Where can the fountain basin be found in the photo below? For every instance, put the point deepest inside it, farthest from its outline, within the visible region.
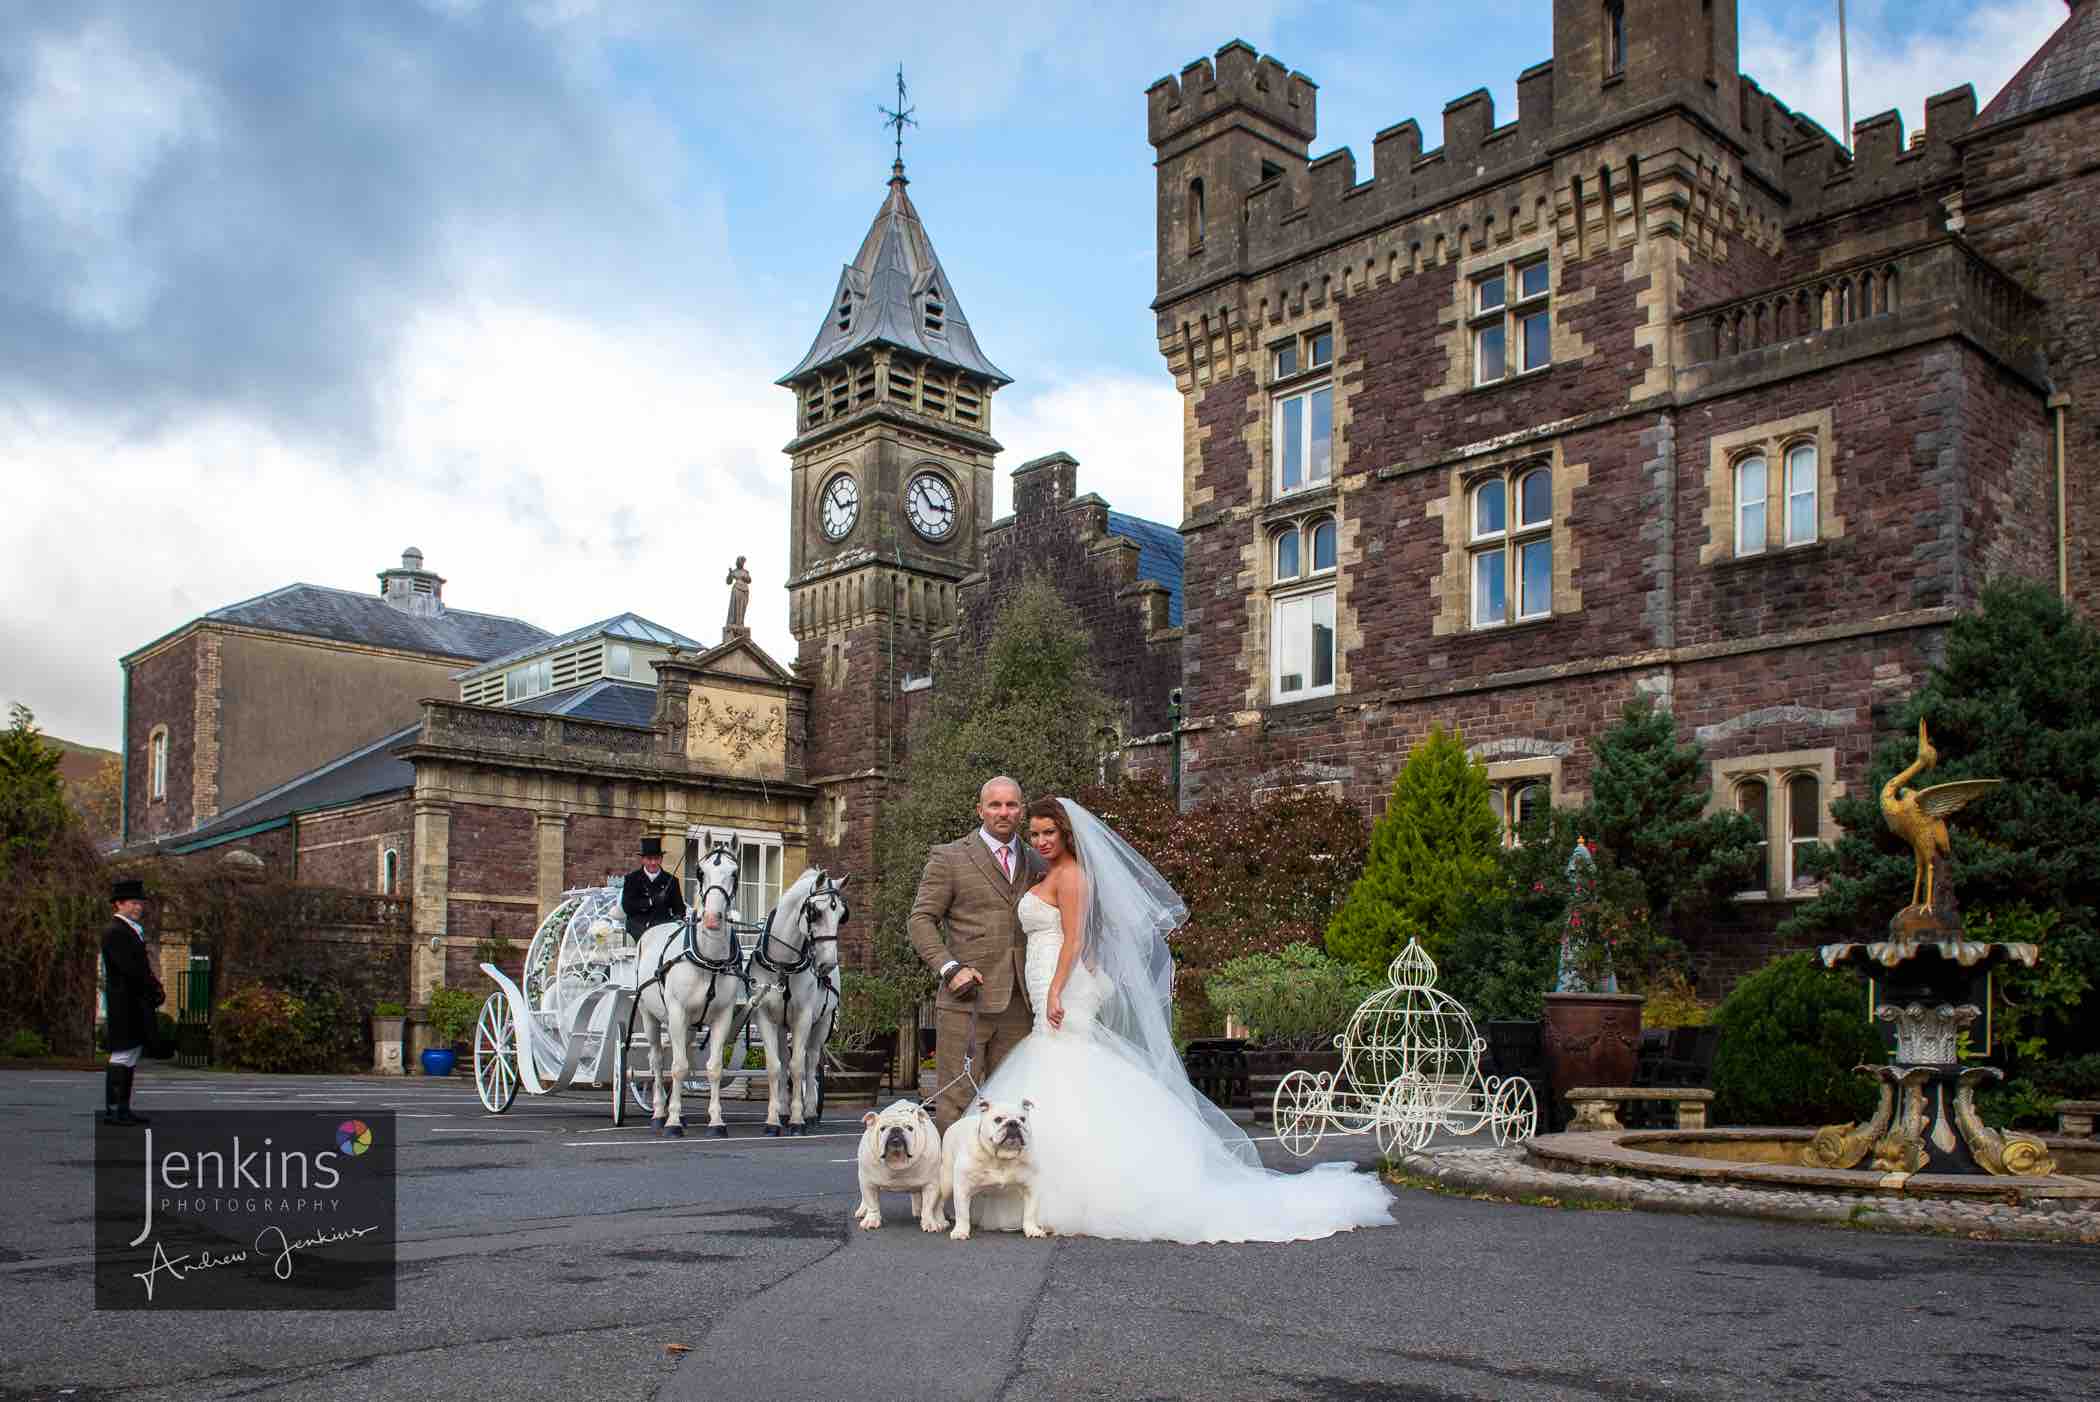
(1771, 1158)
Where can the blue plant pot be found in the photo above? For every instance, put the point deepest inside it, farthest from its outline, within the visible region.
(437, 1061)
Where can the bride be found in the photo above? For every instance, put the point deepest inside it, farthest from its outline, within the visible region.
(1124, 1145)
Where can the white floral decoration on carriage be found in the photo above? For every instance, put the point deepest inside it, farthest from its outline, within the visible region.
(1410, 1067)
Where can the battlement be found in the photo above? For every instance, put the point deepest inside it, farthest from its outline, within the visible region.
(1238, 79)
(1824, 181)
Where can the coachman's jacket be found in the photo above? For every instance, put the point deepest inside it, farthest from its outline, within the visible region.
(648, 900)
(131, 990)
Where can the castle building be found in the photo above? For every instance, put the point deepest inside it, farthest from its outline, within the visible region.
(1655, 388)
(893, 548)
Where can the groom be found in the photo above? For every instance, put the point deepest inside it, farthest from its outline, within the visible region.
(964, 926)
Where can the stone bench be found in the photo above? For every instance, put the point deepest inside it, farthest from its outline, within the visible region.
(2074, 1118)
(1596, 1107)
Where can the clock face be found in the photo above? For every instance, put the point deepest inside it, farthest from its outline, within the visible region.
(930, 503)
(839, 507)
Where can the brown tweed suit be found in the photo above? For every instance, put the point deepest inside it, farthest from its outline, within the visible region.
(965, 911)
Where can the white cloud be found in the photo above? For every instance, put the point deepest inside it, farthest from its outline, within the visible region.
(1895, 64)
(550, 469)
(1125, 431)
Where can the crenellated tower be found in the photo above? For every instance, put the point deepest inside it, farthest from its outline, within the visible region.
(891, 492)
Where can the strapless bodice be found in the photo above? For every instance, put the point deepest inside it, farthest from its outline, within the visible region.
(1043, 925)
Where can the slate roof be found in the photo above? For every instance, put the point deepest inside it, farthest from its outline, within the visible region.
(316, 611)
(364, 772)
(630, 626)
(621, 702)
(884, 294)
(2066, 66)
(1159, 556)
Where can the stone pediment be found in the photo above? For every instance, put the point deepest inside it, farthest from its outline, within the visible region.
(740, 658)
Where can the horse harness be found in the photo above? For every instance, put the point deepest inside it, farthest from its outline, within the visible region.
(804, 958)
(688, 950)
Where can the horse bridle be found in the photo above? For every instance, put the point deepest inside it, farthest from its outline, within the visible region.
(807, 954)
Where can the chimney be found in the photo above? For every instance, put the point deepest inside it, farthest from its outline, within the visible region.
(413, 589)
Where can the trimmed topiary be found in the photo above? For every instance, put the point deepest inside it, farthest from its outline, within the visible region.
(1791, 1035)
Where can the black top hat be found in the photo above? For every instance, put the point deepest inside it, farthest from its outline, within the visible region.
(130, 888)
(652, 847)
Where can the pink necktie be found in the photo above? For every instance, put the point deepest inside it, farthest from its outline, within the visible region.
(1006, 862)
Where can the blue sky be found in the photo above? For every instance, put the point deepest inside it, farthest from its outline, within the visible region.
(284, 289)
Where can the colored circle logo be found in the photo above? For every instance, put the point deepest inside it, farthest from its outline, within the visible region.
(353, 1136)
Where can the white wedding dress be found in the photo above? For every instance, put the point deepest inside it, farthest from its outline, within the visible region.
(1121, 1153)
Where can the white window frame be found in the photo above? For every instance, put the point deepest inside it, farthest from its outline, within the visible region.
(1509, 544)
(1794, 454)
(1509, 317)
(1309, 356)
(157, 765)
(1757, 508)
(1310, 601)
(754, 898)
(390, 880)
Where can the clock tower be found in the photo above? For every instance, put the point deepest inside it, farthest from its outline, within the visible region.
(891, 489)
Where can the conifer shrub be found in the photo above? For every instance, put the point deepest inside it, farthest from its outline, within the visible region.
(2016, 698)
(1791, 1035)
(1431, 856)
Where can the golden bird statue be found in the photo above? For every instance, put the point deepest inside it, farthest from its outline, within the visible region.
(1918, 816)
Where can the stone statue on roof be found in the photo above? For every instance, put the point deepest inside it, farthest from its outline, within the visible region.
(739, 582)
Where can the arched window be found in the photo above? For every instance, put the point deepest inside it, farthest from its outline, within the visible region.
(1614, 38)
(1287, 565)
(1801, 494)
(1503, 549)
(157, 764)
(389, 872)
(1750, 505)
(1196, 215)
(1752, 800)
(1322, 546)
(1804, 818)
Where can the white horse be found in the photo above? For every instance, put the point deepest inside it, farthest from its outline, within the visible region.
(795, 993)
(689, 974)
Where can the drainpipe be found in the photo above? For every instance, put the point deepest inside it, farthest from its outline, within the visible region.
(124, 762)
(1174, 727)
(2059, 403)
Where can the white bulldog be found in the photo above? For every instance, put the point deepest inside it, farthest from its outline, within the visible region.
(987, 1152)
(900, 1152)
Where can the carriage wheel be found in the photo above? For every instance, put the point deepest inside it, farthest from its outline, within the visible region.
(1405, 1116)
(495, 1053)
(640, 1090)
(1300, 1111)
(619, 1081)
(1515, 1111)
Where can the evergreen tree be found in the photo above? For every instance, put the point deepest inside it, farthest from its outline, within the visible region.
(1647, 809)
(2016, 698)
(1028, 706)
(1431, 854)
(51, 896)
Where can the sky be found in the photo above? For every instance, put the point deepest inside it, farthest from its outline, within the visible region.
(285, 289)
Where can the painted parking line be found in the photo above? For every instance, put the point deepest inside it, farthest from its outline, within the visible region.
(699, 1142)
(492, 1129)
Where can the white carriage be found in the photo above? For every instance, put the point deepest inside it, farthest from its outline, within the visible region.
(569, 1023)
(1410, 1067)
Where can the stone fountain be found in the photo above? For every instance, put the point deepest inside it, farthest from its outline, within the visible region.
(1931, 983)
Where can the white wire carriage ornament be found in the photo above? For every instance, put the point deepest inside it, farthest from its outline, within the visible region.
(1410, 1067)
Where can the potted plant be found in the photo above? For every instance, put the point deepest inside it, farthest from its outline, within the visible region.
(388, 1022)
(1593, 1031)
(872, 1007)
(452, 1013)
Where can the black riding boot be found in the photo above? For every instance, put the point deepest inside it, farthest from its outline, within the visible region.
(124, 1115)
(112, 1093)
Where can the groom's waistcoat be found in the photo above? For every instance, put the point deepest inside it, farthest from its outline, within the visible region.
(965, 910)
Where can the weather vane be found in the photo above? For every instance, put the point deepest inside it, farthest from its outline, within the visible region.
(899, 117)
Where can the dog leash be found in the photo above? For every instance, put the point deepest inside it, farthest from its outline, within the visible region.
(969, 1060)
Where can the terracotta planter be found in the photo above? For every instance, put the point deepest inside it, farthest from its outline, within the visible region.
(1591, 1039)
